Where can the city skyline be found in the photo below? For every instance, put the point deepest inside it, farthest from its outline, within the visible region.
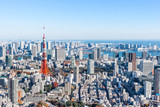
(80, 20)
(80, 53)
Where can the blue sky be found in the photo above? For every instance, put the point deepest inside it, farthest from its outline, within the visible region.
(80, 19)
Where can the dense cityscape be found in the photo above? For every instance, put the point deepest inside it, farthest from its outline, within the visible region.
(79, 53)
(74, 73)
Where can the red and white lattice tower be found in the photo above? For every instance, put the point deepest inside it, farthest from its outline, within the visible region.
(44, 68)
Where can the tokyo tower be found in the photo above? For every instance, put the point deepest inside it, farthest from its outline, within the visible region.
(44, 68)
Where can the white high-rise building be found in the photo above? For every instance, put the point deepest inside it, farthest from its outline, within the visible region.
(71, 52)
(29, 46)
(146, 67)
(105, 57)
(80, 54)
(2, 53)
(60, 54)
(16, 46)
(90, 66)
(48, 45)
(67, 47)
(95, 55)
(129, 66)
(73, 62)
(22, 44)
(36, 77)
(147, 89)
(116, 69)
(39, 47)
(13, 46)
(67, 88)
(11, 52)
(34, 50)
(53, 51)
(76, 74)
(155, 47)
(72, 44)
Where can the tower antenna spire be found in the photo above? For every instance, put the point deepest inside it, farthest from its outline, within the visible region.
(43, 32)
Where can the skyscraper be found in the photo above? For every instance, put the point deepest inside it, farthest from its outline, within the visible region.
(29, 46)
(48, 45)
(158, 60)
(11, 51)
(98, 53)
(126, 56)
(67, 46)
(67, 88)
(116, 69)
(2, 53)
(127, 46)
(80, 54)
(34, 50)
(129, 66)
(60, 54)
(8, 60)
(16, 46)
(13, 90)
(73, 62)
(144, 54)
(90, 66)
(116, 54)
(22, 45)
(71, 52)
(147, 89)
(38, 47)
(91, 56)
(76, 74)
(41, 46)
(49, 54)
(157, 80)
(105, 57)
(132, 58)
(122, 46)
(95, 55)
(146, 67)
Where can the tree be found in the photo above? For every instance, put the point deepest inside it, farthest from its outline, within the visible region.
(49, 87)
(53, 102)
(69, 103)
(38, 105)
(72, 88)
(95, 105)
(61, 105)
(75, 104)
(40, 91)
(80, 104)
(42, 104)
(26, 90)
